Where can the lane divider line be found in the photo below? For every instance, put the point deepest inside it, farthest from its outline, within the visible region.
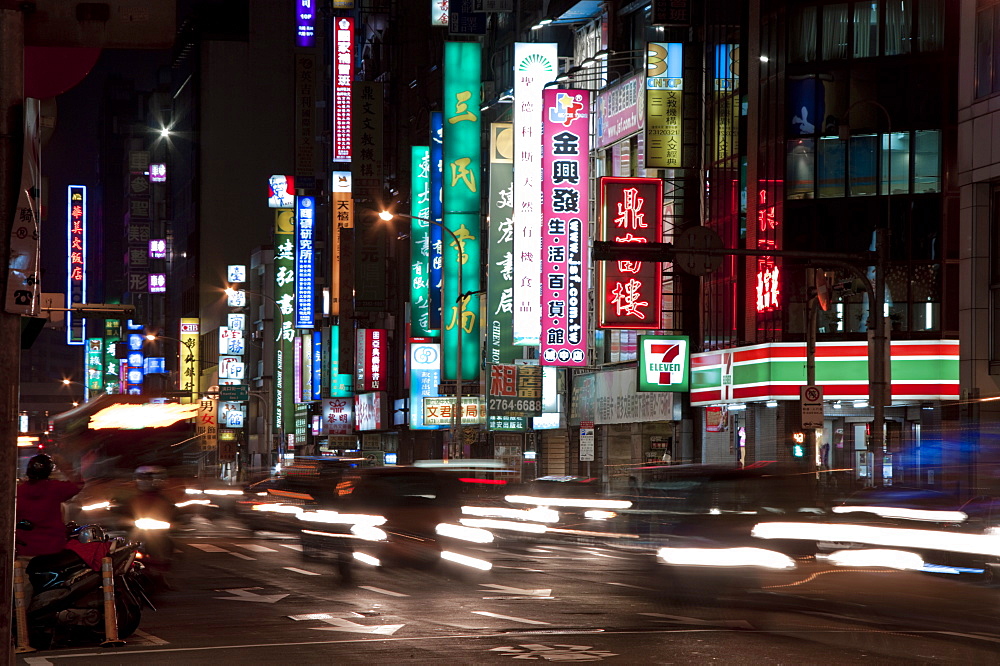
(508, 617)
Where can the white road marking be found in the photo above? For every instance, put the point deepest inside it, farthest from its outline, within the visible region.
(242, 556)
(340, 624)
(209, 548)
(637, 587)
(613, 557)
(255, 548)
(149, 639)
(508, 617)
(547, 592)
(302, 571)
(293, 546)
(245, 594)
(381, 591)
(697, 621)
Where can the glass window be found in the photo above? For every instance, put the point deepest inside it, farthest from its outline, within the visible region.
(895, 163)
(898, 26)
(930, 26)
(993, 77)
(801, 167)
(832, 167)
(866, 29)
(835, 32)
(984, 51)
(803, 24)
(863, 149)
(926, 161)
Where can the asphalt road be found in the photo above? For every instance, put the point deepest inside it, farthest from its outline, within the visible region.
(251, 598)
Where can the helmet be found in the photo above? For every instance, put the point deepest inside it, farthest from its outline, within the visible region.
(89, 533)
(40, 467)
(150, 477)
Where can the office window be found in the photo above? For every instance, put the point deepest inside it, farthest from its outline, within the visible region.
(835, 32)
(802, 28)
(832, 167)
(930, 25)
(898, 26)
(926, 161)
(866, 29)
(895, 163)
(863, 149)
(801, 165)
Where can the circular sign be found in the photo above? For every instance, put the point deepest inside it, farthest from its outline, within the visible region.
(812, 394)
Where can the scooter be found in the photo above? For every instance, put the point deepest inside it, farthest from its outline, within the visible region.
(67, 598)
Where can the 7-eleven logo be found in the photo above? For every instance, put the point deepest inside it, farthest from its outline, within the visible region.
(661, 362)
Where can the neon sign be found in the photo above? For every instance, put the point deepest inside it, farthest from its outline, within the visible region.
(565, 176)
(631, 211)
(342, 77)
(768, 272)
(76, 288)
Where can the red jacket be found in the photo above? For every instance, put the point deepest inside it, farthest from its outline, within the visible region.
(40, 502)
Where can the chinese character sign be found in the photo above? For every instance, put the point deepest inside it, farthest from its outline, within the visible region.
(437, 212)
(462, 192)
(76, 261)
(305, 210)
(425, 375)
(565, 177)
(500, 266)
(534, 66)
(343, 74)
(629, 292)
(664, 95)
(373, 359)
(420, 242)
(190, 357)
(338, 416)
(284, 297)
(305, 23)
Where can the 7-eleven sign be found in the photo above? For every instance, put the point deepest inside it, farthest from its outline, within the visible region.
(664, 363)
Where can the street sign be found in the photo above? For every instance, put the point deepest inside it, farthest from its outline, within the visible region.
(234, 393)
(811, 400)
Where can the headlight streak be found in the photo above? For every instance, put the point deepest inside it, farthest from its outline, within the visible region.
(464, 532)
(538, 514)
(367, 559)
(95, 507)
(192, 491)
(599, 514)
(569, 501)
(465, 560)
(490, 523)
(957, 542)
(369, 532)
(277, 508)
(337, 518)
(181, 505)
(223, 492)
(907, 514)
(151, 524)
(726, 557)
(875, 557)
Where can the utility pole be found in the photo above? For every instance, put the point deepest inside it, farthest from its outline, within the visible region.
(11, 136)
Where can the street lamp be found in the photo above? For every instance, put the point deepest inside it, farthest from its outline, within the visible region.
(879, 352)
(86, 390)
(456, 430)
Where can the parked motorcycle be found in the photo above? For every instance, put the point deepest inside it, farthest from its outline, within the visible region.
(67, 598)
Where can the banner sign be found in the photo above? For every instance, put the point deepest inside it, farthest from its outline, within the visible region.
(565, 177)
(338, 416)
(305, 210)
(420, 242)
(664, 363)
(76, 261)
(425, 375)
(437, 212)
(514, 394)
(343, 76)
(629, 292)
(440, 411)
(500, 283)
(23, 281)
(534, 66)
(372, 362)
(284, 296)
(664, 110)
(367, 119)
(461, 191)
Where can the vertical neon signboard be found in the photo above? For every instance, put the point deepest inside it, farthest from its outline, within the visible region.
(425, 375)
(343, 74)
(664, 110)
(565, 178)
(284, 296)
(305, 210)
(420, 242)
(629, 292)
(768, 271)
(500, 284)
(534, 66)
(436, 232)
(373, 359)
(76, 266)
(190, 357)
(461, 189)
(317, 365)
(305, 23)
(95, 364)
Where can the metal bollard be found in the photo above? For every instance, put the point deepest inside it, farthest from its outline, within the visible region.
(110, 612)
(21, 609)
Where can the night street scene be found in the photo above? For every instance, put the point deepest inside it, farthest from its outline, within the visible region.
(495, 331)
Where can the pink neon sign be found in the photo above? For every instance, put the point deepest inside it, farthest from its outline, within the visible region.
(343, 74)
(565, 175)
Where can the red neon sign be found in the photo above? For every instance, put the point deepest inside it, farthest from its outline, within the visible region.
(768, 272)
(631, 211)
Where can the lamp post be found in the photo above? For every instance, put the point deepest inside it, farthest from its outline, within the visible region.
(86, 390)
(181, 345)
(879, 352)
(456, 431)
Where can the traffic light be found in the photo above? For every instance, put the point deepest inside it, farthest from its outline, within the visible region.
(798, 444)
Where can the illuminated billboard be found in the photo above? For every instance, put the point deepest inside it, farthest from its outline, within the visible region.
(305, 225)
(461, 192)
(76, 266)
(664, 108)
(565, 178)
(343, 75)
(420, 242)
(425, 375)
(500, 275)
(664, 363)
(372, 359)
(534, 66)
(629, 292)
(190, 357)
(305, 23)
(281, 191)
(284, 296)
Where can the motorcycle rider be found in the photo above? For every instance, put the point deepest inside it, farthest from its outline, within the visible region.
(41, 529)
(151, 502)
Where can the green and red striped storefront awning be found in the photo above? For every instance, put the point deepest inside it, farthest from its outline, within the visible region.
(920, 370)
